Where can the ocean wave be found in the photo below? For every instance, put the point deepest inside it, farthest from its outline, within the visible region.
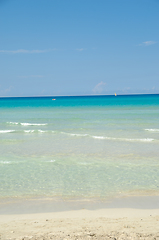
(14, 123)
(23, 131)
(29, 131)
(125, 139)
(110, 138)
(51, 161)
(41, 131)
(7, 131)
(35, 131)
(78, 135)
(81, 135)
(27, 124)
(75, 134)
(101, 137)
(152, 130)
(33, 124)
(5, 162)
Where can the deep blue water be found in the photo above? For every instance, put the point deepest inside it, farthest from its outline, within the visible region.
(108, 101)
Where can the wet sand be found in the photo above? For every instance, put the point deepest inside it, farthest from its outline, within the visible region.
(129, 218)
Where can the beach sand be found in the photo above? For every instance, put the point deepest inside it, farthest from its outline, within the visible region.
(100, 223)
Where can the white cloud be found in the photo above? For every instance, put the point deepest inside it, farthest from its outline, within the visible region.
(147, 43)
(26, 51)
(99, 87)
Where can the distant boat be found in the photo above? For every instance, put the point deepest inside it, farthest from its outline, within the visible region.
(53, 99)
(115, 94)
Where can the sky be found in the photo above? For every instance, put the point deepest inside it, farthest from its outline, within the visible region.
(78, 47)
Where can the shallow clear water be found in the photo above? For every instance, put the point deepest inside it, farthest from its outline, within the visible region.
(89, 147)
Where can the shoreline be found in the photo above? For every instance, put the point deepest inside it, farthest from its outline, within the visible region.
(46, 205)
(122, 218)
(112, 223)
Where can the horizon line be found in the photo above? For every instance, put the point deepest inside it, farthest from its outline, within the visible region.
(84, 95)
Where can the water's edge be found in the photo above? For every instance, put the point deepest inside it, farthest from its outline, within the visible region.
(32, 206)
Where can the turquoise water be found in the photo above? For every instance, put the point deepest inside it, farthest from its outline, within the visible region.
(79, 147)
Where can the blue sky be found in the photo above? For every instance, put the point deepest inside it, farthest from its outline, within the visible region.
(76, 47)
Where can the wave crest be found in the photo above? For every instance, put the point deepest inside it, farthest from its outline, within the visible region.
(27, 124)
(28, 131)
(33, 124)
(152, 130)
(125, 139)
(7, 131)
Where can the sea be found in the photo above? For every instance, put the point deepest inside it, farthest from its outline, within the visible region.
(79, 147)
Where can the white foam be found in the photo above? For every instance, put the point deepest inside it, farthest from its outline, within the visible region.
(5, 162)
(125, 139)
(27, 124)
(52, 160)
(138, 140)
(100, 137)
(6, 131)
(14, 123)
(75, 134)
(33, 124)
(152, 130)
(28, 131)
(111, 138)
(41, 131)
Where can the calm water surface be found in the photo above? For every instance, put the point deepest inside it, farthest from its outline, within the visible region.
(87, 147)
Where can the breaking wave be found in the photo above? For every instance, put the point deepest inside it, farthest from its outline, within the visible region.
(14, 123)
(5, 162)
(111, 138)
(75, 134)
(80, 135)
(152, 130)
(7, 131)
(125, 139)
(28, 131)
(33, 124)
(27, 124)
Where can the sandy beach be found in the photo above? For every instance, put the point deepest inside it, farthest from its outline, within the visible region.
(104, 223)
(82, 224)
